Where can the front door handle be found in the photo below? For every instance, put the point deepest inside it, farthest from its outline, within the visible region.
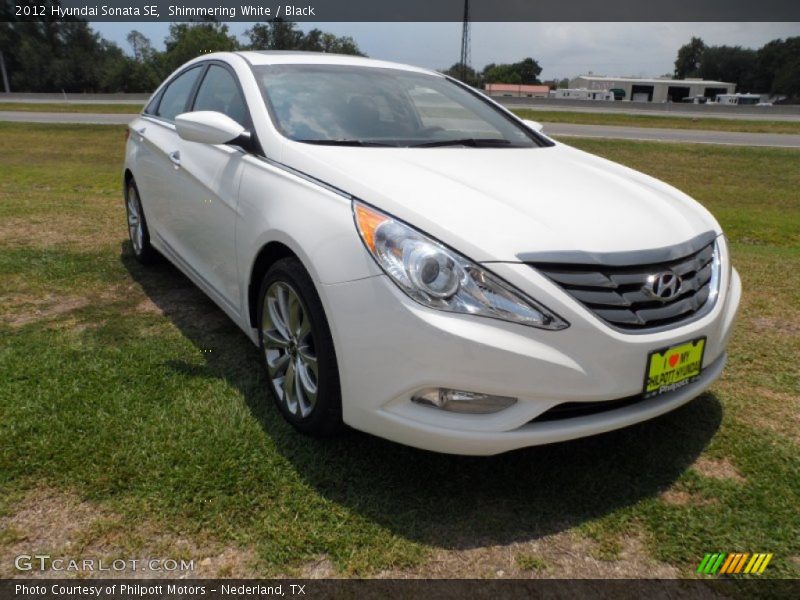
(175, 157)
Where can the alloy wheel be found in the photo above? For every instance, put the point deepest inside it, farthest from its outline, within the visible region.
(135, 228)
(289, 349)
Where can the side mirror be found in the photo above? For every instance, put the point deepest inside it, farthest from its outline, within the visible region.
(209, 127)
(535, 125)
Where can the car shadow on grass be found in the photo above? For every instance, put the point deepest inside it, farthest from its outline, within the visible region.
(453, 502)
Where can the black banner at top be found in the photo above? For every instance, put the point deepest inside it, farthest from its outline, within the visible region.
(406, 10)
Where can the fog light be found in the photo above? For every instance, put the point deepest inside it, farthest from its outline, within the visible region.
(461, 401)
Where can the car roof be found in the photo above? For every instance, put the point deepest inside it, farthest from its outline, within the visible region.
(286, 57)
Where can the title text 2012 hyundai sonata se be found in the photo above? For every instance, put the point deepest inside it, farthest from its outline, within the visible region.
(420, 264)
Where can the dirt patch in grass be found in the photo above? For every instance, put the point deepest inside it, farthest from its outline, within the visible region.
(715, 468)
(321, 568)
(231, 562)
(61, 525)
(781, 325)
(564, 555)
(783, 417)
(21, 311)
(765, 408)
(678, 497)
(96, 227)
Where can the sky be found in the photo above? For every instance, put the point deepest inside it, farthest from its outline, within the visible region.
(562, 49)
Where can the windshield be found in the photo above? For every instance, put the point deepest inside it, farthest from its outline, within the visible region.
(344, 105)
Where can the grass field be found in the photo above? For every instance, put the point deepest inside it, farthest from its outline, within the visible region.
(134, 421)
(544, 116)
(660, 121)
(72, 107)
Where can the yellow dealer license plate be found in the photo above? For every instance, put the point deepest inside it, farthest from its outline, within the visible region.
(674, 367)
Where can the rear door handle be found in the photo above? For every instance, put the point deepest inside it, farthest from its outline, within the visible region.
(175, 157)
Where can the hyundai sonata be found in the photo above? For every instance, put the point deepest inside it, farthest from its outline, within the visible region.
(417, 262)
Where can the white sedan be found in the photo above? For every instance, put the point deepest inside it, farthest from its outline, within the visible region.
(417, 262)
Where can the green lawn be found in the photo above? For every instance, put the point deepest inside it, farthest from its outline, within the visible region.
(72, 107)
(134, 419)
(660, 121)
(544, 116)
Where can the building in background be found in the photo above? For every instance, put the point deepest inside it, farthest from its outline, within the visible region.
(515, 90)
(654, 90)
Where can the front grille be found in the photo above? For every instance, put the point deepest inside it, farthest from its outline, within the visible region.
(617, 294)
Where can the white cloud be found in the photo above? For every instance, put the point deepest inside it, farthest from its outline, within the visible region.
(646, 49)
(563, 49)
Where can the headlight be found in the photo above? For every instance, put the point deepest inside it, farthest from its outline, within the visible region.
(437, 277)
(715, 283)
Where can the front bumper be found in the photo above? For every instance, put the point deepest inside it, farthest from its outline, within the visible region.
(389, 347)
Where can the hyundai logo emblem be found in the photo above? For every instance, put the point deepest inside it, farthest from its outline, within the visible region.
(663, 286)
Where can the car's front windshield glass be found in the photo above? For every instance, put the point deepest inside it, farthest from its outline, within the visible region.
(345, 105)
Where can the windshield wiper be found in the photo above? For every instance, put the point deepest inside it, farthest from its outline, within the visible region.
(345, 143)
(473, 142)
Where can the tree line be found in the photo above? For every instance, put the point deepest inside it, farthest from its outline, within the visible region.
(53, 56)
(69, 56)
(524, 72)
(772, 69)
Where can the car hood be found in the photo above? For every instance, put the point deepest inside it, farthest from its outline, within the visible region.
(511, 204)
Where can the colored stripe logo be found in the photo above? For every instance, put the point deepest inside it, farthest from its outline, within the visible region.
(737, 563)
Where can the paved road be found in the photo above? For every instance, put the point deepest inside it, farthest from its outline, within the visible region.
(693, 136)
(554, 129)
(83, 118)
(34, 98)
(783, 112)
(738, 116)
(712, 111)
(137, 102)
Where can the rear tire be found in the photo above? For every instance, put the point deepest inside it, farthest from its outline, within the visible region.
(296, 343)
(137, 226)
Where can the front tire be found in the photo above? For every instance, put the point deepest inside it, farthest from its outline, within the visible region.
(137, 226)
(298, 351)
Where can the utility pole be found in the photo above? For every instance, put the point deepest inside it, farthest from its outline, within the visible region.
(465, 42)
(5, 75)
